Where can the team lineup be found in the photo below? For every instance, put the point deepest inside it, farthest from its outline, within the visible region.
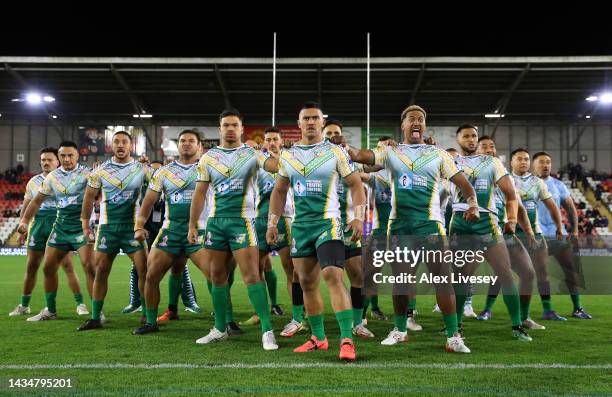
(233, 205)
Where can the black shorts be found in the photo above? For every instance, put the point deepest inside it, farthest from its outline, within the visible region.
(331, 253)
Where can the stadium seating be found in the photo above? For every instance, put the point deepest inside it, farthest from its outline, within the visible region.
(9, 225)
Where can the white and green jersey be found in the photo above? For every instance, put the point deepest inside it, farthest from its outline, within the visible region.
(483, 172)
(415, 174)
(232, 174)
(121, 187)
(314, 173)
(380, 188)
(265, 184)
(531, 189)
(49, 206)
(68, 190)
(177, 182)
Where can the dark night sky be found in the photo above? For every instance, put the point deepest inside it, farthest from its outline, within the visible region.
(201, 43)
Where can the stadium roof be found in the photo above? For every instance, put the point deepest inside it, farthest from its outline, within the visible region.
(521, 88)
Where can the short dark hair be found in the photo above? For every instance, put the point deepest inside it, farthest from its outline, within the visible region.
(515, 151)
(272, 129)
(384, 138)
(464, 127)
(197, 134)
(538, 154)
(68, 144)
(122, 133)
(311, 105)
(485, 137)
(230, 112)
(49, 149)
(329, 122)
(452, 149)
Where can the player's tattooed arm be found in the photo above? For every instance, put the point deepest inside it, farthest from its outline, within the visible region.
(572, 214)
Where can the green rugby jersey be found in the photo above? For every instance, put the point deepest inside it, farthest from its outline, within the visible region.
(415, 172)
(68, 190)
(265, 184)
(380, 188)
(121, 186)
(531, 189)
(232, 175)
(49, 206)
(483, 172)
(314, 172)
(178, 182)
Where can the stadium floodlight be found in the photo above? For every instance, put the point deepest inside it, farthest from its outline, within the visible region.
(591, 98)
(606, 97)
(587, 116)
(142, 116)
(48, 99)
(494, 115)
(33, 98)
(54, 116)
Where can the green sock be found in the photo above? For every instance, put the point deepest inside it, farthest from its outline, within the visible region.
(460, 299)
(399, 320)
(78, 298)
(297, 312)
(259, 300)
(366, 303)
(96, 308)
(174, 288)
(576, 301)
(511, 299)
(345, 320)
(374, 301)
(357, 316)
(546, 303)
(412, 304)
(272, 282)
(25, 300)
(50, 299)
(151, 314)
(219, 298)
(229, 310)
(209, 285)
(450, 321)
(525, 303)
(490, 302)
(316, 325)
(460, 296)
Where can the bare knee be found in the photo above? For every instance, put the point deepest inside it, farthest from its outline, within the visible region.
(332, 275)
(49, 270)
(32, 267)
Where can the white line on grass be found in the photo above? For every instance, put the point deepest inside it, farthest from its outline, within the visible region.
(306, 365)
